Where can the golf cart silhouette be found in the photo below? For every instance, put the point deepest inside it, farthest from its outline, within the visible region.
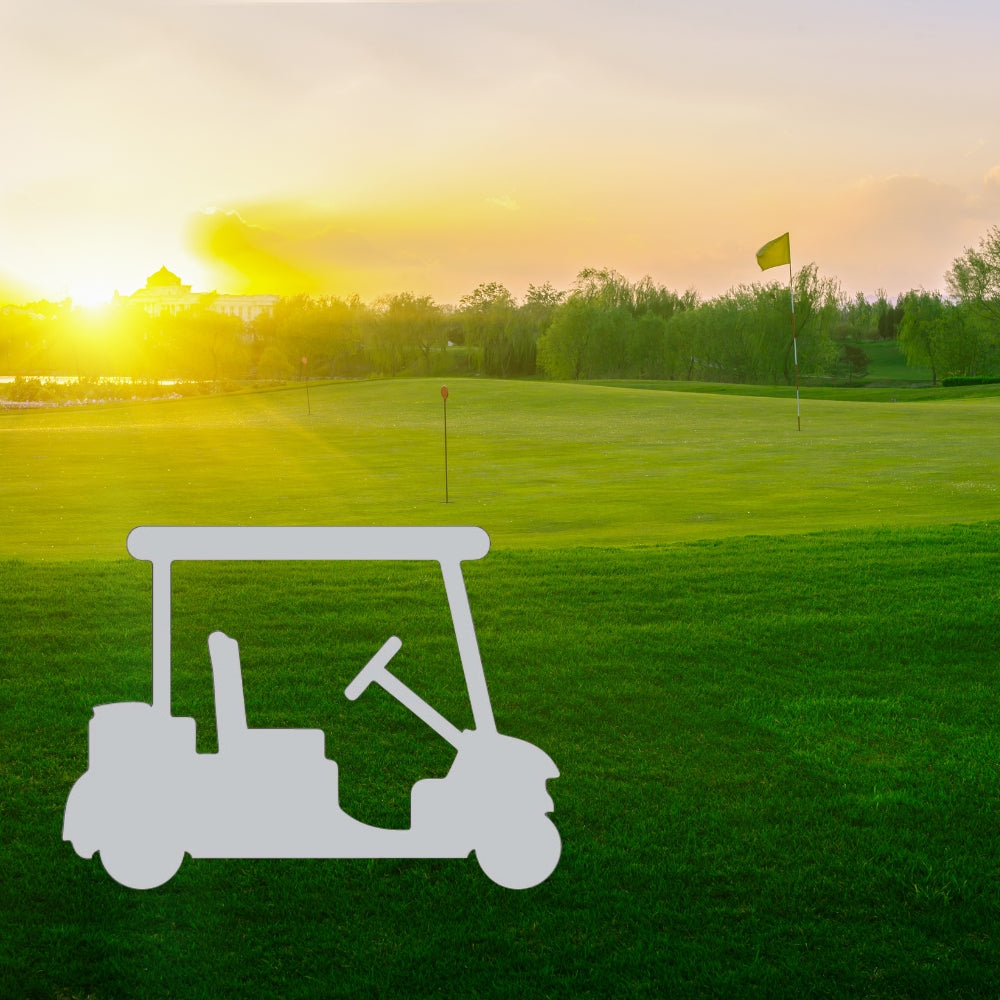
(148, 797)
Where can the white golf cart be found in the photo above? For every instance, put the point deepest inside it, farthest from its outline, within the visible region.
(148, 797)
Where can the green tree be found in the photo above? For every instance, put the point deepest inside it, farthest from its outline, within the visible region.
(745, 334)
(498, 344)
(856, 361)
(199, 343)
(923, 333)
(543, 299)
(816, 300)
(588, 334)
(725, 347)
(974, 277)
(888, 318)
(609, 327)
(864, 319)
(400, 328)
(564, 349)
(328, 331)
(857, 319)
(944, 335)
(682, 342)
(974, 281)
(26, 337)
(428, 331)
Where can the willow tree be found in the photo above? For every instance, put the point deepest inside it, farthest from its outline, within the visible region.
(609, 327)
(501, 334)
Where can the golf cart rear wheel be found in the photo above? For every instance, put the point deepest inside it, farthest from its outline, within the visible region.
(520, 859)
(141, 868)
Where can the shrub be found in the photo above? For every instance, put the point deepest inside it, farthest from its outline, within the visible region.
(954, 380)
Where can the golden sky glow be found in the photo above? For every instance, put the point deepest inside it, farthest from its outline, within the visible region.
(378, 147)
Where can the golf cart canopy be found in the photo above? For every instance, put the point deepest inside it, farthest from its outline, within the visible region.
(162, 543)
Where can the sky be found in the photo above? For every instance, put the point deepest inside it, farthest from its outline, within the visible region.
(379, 147)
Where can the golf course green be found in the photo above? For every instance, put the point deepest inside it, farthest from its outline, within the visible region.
(765, 661)
(538, 465)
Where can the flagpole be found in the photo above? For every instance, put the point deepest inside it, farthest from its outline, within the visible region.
(774, 253)
(795, 345)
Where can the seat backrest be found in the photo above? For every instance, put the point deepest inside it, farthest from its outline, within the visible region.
(230, 707)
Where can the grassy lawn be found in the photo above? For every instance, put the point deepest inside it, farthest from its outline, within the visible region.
(765, 662)
(779, 768)
(535, 464)
(889, 363)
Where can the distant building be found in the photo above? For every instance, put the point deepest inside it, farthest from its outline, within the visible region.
(164, 293)
(244, 307)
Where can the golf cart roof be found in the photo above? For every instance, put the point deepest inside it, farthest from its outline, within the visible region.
(163, 543)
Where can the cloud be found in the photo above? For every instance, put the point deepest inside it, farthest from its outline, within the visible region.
(291, 249)
(909, 206)
(897, 232)
(505, 202)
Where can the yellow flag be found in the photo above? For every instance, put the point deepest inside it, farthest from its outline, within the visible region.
(774, 253)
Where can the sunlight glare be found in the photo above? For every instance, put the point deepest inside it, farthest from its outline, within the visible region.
(90, 292)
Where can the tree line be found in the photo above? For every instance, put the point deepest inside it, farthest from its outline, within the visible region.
(603, 326)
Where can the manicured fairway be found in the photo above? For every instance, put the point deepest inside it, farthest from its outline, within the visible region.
(779, 776)
(536, 465)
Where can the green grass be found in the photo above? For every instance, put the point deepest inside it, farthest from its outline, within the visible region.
(888, 363)
(779, 768)
(766, 663)
(535, 464)
(889, 377)
(867, 393)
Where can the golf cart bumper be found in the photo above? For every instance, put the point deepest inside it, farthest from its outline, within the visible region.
(77, 829)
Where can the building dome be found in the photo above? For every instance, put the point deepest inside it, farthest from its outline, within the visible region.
(162, 279)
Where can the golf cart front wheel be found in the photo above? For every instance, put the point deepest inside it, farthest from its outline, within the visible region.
(139, 868)
(520, 859)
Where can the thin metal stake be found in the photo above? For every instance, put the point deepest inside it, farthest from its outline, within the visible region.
(444, 400)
